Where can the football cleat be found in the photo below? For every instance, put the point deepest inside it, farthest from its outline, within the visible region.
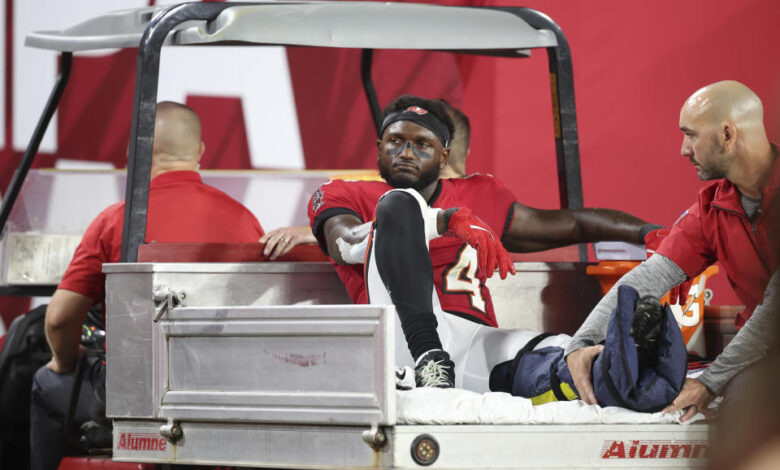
(646, 328)
(404, 378)
(435, 369)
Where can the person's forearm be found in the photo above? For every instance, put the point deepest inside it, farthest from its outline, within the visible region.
(749, 345)
(610, 225)
(64, 336)
(537, 230)
(653, 277)
(64, 317)
(350, 247)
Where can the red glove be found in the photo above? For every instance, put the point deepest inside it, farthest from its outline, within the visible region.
(678, 294)
(490, 252)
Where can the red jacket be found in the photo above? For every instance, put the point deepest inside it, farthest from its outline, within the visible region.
(716, 229)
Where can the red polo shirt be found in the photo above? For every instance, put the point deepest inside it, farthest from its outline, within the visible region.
(716, 228)
(181, 209)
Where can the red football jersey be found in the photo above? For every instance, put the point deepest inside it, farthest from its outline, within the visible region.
(459, 283)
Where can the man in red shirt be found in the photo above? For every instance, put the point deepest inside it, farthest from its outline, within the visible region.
(725, 140)
(478, 214)
(181, 209)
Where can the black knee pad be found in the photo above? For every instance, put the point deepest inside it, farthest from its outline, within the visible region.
(398, 207)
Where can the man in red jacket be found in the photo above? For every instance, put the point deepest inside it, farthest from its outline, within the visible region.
(725, 140)
(181, 209)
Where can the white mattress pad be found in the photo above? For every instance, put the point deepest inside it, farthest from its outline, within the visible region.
(427, 405)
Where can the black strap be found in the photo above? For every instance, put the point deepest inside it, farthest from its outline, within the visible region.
(529, 346)
(70, 435)
(605, 362)
(555, 383)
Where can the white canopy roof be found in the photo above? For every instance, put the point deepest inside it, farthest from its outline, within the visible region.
(365, 25)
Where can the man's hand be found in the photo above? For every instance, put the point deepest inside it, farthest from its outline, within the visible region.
(280, 241)
(693, 398)
(54, 366)
(491, 254)
(580, 363)
(59, 367)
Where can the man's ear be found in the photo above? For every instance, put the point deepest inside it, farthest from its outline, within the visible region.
(201, 151)
(729, 134)
(445, 155)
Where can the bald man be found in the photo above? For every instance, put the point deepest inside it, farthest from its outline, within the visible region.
(460, 145)
(181, 209)
(725, 140)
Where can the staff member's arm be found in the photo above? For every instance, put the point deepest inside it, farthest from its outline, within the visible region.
(64, 316)
(653, 277)
(750, 345)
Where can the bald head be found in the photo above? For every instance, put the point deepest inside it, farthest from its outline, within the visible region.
(726, 101)
(724, 136)
(177, 139)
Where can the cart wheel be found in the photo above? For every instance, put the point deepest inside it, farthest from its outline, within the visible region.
(425, 449)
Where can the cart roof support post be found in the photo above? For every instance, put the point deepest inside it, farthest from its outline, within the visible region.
(139, 164)
(567, 144)
(366, 60)
(66, 59)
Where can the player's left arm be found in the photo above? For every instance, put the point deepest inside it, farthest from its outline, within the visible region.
(539, 229)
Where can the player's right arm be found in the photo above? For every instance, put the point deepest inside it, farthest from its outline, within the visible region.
(340, 214)
(342, 233)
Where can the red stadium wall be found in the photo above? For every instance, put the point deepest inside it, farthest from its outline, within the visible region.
(634, 64)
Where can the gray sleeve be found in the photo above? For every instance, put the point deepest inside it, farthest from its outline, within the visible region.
(751, 342)
(653, 277)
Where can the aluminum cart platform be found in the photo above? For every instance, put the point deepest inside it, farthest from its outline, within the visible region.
(261, 364)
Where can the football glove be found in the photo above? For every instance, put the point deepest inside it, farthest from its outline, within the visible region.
(491, 254)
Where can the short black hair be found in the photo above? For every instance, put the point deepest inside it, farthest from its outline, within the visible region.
(434, 107)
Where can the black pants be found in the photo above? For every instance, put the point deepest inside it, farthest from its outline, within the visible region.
(51, 394)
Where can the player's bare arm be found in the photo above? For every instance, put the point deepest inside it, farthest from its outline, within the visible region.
(539, 229)
(341, 231)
